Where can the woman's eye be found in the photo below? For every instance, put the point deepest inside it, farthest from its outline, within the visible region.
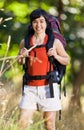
(42, 21)
(34, 22)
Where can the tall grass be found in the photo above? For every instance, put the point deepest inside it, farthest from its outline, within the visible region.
(69, 121)
(72, 118)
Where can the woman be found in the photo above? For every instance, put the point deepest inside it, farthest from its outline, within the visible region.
(37, 92)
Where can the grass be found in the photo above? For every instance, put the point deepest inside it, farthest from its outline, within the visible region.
(10, 95)
(70, 121)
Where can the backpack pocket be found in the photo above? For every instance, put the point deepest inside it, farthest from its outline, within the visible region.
(54, 77)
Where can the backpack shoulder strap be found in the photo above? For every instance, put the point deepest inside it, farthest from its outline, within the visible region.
(50, 39)
(30, 32)
(27, 42)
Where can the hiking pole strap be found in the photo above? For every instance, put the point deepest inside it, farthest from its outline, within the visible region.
(59, 114)
(60, 91)
(51, 90)
(51, 83)
(64, 87)
(23, 86)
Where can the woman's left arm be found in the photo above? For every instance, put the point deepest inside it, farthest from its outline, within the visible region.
(59, 53)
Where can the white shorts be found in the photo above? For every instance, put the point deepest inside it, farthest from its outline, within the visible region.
(35, 98)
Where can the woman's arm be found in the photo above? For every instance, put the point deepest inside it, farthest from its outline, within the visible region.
(59, 53)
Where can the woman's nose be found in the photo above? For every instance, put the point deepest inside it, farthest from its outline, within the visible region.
(38, 24)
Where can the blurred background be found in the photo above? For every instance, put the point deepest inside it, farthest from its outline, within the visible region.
(14, 20)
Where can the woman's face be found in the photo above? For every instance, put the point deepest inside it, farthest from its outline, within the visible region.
(39, 25)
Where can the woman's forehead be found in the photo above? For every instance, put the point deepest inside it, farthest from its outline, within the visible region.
(40, 18)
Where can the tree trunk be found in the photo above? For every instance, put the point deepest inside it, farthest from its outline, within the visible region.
(60, 10)
(75, 100)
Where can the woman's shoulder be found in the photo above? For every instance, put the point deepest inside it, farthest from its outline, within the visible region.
(57, 43)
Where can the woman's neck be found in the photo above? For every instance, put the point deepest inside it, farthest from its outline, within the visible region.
(39, 38)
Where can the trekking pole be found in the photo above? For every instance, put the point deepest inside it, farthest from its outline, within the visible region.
(16, 59)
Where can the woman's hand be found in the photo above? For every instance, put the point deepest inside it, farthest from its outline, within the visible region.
(24, 52)
(52, 52)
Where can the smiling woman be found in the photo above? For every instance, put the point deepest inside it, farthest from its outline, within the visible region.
(37, 87)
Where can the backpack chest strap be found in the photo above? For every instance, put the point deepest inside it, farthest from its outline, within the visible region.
(39, 77)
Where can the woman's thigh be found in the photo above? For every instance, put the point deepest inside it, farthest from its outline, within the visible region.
(26, 114)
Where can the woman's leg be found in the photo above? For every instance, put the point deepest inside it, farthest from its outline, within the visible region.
(50, 118)
(25, 118)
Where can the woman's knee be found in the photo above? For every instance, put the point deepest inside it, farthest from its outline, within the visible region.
(23, 122)
(50, 125)
(50, 120)
(25, 118)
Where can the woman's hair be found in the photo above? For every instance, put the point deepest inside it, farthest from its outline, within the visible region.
(37, 13)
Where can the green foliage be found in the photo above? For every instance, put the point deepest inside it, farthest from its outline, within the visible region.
(13, 69)
(2, 3)
(3, 49)
(20, 11)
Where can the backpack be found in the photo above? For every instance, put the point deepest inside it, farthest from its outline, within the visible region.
(56, 31)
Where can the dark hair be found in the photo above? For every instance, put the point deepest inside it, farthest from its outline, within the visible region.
(37, 13)
(34, 15)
